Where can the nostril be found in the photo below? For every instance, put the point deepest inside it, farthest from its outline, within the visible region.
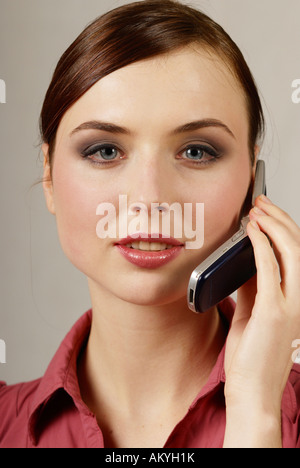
(135, 207)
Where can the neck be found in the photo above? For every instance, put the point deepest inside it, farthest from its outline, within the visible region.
(138, 354)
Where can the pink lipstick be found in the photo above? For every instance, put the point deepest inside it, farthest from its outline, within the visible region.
(149, 251)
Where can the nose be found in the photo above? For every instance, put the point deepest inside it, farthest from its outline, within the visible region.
(151, 181)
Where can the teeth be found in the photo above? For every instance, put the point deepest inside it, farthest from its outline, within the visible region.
(149, 246)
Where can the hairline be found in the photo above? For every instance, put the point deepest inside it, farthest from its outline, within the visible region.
(197, 45)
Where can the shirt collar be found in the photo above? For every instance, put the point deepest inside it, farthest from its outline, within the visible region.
(62, 370)
(62, 373)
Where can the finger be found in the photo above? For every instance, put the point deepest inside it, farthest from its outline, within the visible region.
(286, 246)
(268, 274)
(269, 208)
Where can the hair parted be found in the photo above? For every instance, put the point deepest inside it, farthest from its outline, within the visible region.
(135, 32)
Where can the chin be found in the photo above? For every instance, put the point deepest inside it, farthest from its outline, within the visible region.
(152, 293)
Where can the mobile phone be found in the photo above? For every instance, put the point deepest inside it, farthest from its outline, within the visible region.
(228, 267)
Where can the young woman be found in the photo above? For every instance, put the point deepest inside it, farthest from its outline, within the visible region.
(154, 101)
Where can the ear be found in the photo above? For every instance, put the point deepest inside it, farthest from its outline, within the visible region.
(47, 180)
(248, 201)
(256, 154)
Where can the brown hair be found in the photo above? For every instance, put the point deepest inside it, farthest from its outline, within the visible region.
(134, 32)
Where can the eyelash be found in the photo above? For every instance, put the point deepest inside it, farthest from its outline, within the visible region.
(93, 150)
(204, 149)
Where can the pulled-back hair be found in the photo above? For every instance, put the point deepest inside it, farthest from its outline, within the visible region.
(135, 32)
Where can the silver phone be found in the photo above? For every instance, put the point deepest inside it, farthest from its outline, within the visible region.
(228, 267)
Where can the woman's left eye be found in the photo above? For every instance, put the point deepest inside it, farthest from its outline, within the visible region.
(200, 154)
(108, 153)
(102, 154)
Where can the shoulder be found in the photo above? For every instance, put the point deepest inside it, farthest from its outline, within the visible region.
(15, 403)
(21, 405)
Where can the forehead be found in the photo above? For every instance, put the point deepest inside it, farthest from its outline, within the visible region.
(168, 90)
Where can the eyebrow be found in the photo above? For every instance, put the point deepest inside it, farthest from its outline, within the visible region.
(188, 127)
(103, 126)
(204, 123)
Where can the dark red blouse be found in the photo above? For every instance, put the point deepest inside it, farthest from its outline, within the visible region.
(49, 412)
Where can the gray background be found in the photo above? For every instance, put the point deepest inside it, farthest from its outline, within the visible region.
(41, 292)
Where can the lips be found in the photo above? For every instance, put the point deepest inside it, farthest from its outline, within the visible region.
(149, 251)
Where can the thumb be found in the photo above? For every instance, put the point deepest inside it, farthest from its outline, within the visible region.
(245, 300)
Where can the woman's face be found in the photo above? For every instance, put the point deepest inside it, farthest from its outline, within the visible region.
(173, 129)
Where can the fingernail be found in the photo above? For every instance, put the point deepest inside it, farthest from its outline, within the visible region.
(265, 199)
(254, 225)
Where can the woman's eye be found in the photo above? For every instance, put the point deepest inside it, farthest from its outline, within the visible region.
(194, 153)
(108, 153)
(199, 154)
(101, 154)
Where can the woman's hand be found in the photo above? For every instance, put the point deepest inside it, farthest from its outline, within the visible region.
(259, 349)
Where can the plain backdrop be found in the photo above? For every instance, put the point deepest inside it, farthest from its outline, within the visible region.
(42, 294)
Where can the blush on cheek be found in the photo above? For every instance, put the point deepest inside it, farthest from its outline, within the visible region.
(76, 218)
(222, 214)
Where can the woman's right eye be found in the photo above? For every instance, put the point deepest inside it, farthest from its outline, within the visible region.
(102, 154)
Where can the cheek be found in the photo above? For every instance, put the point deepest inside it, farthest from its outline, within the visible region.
(76, 200)
(223, 207)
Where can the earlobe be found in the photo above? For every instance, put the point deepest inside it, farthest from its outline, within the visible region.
(256, 154)
(248, 200)
(47, 180)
